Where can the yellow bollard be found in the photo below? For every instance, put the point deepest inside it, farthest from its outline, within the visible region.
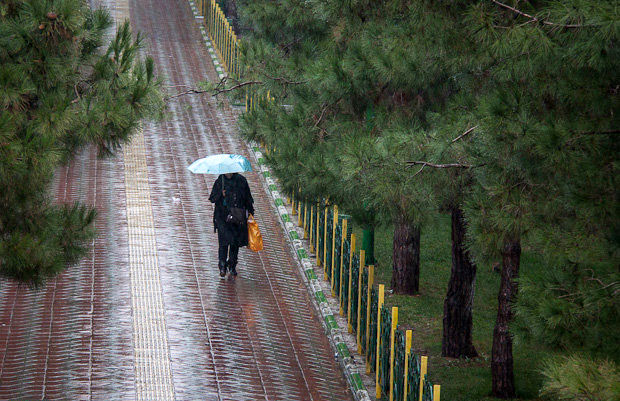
(224, 43)
(349, 295)
(325, 243)
(232, 51)
(359, 299)
(217, 22)
(333, 255)
(311, 229)
(436, 392)
(392, 335)
(305, 219)
(371, 279)
(227, 34)
(423, 369)
(210, 20)
(229, 47)
(379, 306)
(341, 301)
(220, 32)
(235, 55)
(316, 235)
(233, 45)
(294, 211)
(407, 353)
(216, 29)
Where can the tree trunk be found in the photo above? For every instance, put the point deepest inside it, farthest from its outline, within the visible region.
(458, 306)
(501, 354)
(406, 258)
(231, 12)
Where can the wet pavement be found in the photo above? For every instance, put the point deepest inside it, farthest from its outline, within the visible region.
(145, 315)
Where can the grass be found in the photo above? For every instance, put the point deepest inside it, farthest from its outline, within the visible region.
(461, 380)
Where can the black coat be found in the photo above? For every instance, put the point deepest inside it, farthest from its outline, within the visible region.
(237, 195)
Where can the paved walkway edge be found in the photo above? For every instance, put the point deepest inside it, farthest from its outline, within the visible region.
(334, 331)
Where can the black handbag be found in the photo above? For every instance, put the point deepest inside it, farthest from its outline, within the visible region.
(236, 215)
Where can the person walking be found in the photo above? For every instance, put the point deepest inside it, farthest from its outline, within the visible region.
(233, 204)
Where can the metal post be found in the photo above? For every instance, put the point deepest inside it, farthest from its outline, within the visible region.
(423, 369)
(436, 392)
(342, 240)
(311, 228)
(305, 219)
(325, 243)
(333, 255)
(392, 334)
(349, 295)
(377, 371)
(371, 279)
(360, 272)
(316, 235)
(407, 353)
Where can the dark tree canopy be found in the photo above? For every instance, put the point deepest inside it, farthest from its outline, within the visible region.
(504, 111)
(62, 87)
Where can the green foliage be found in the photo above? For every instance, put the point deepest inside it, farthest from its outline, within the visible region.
(580, 378)
(59, 92)
(570, 308)
(521, 97)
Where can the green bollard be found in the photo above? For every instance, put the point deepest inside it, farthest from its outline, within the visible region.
(368, 245)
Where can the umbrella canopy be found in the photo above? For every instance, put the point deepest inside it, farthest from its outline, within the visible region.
(220, 164)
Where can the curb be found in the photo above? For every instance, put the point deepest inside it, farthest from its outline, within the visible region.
(333, 330)
(219, 68)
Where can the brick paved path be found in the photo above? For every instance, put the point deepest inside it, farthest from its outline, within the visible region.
(146, 316)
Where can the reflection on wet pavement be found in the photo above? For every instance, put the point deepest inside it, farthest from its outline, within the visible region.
(253, 338)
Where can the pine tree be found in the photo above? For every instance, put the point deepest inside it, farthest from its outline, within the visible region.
(546, 115)
(538, 171)
(60, 92)
(329, 117)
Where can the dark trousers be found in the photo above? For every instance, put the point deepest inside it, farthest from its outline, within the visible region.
(230, 251)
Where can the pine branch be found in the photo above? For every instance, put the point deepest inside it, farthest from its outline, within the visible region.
(285, 81)
(218, 90)
(581, 135)
(316, 124)
(450, 165)
(239, 85)
(324, 109)
(544, 22)
(610, 132)
(187, 92)
(433, 165)
(77, 94)
(464, 133)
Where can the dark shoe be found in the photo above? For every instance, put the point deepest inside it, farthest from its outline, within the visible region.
(222, 267)
(233, 271)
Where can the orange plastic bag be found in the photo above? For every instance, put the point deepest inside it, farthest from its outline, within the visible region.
(255, 239)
